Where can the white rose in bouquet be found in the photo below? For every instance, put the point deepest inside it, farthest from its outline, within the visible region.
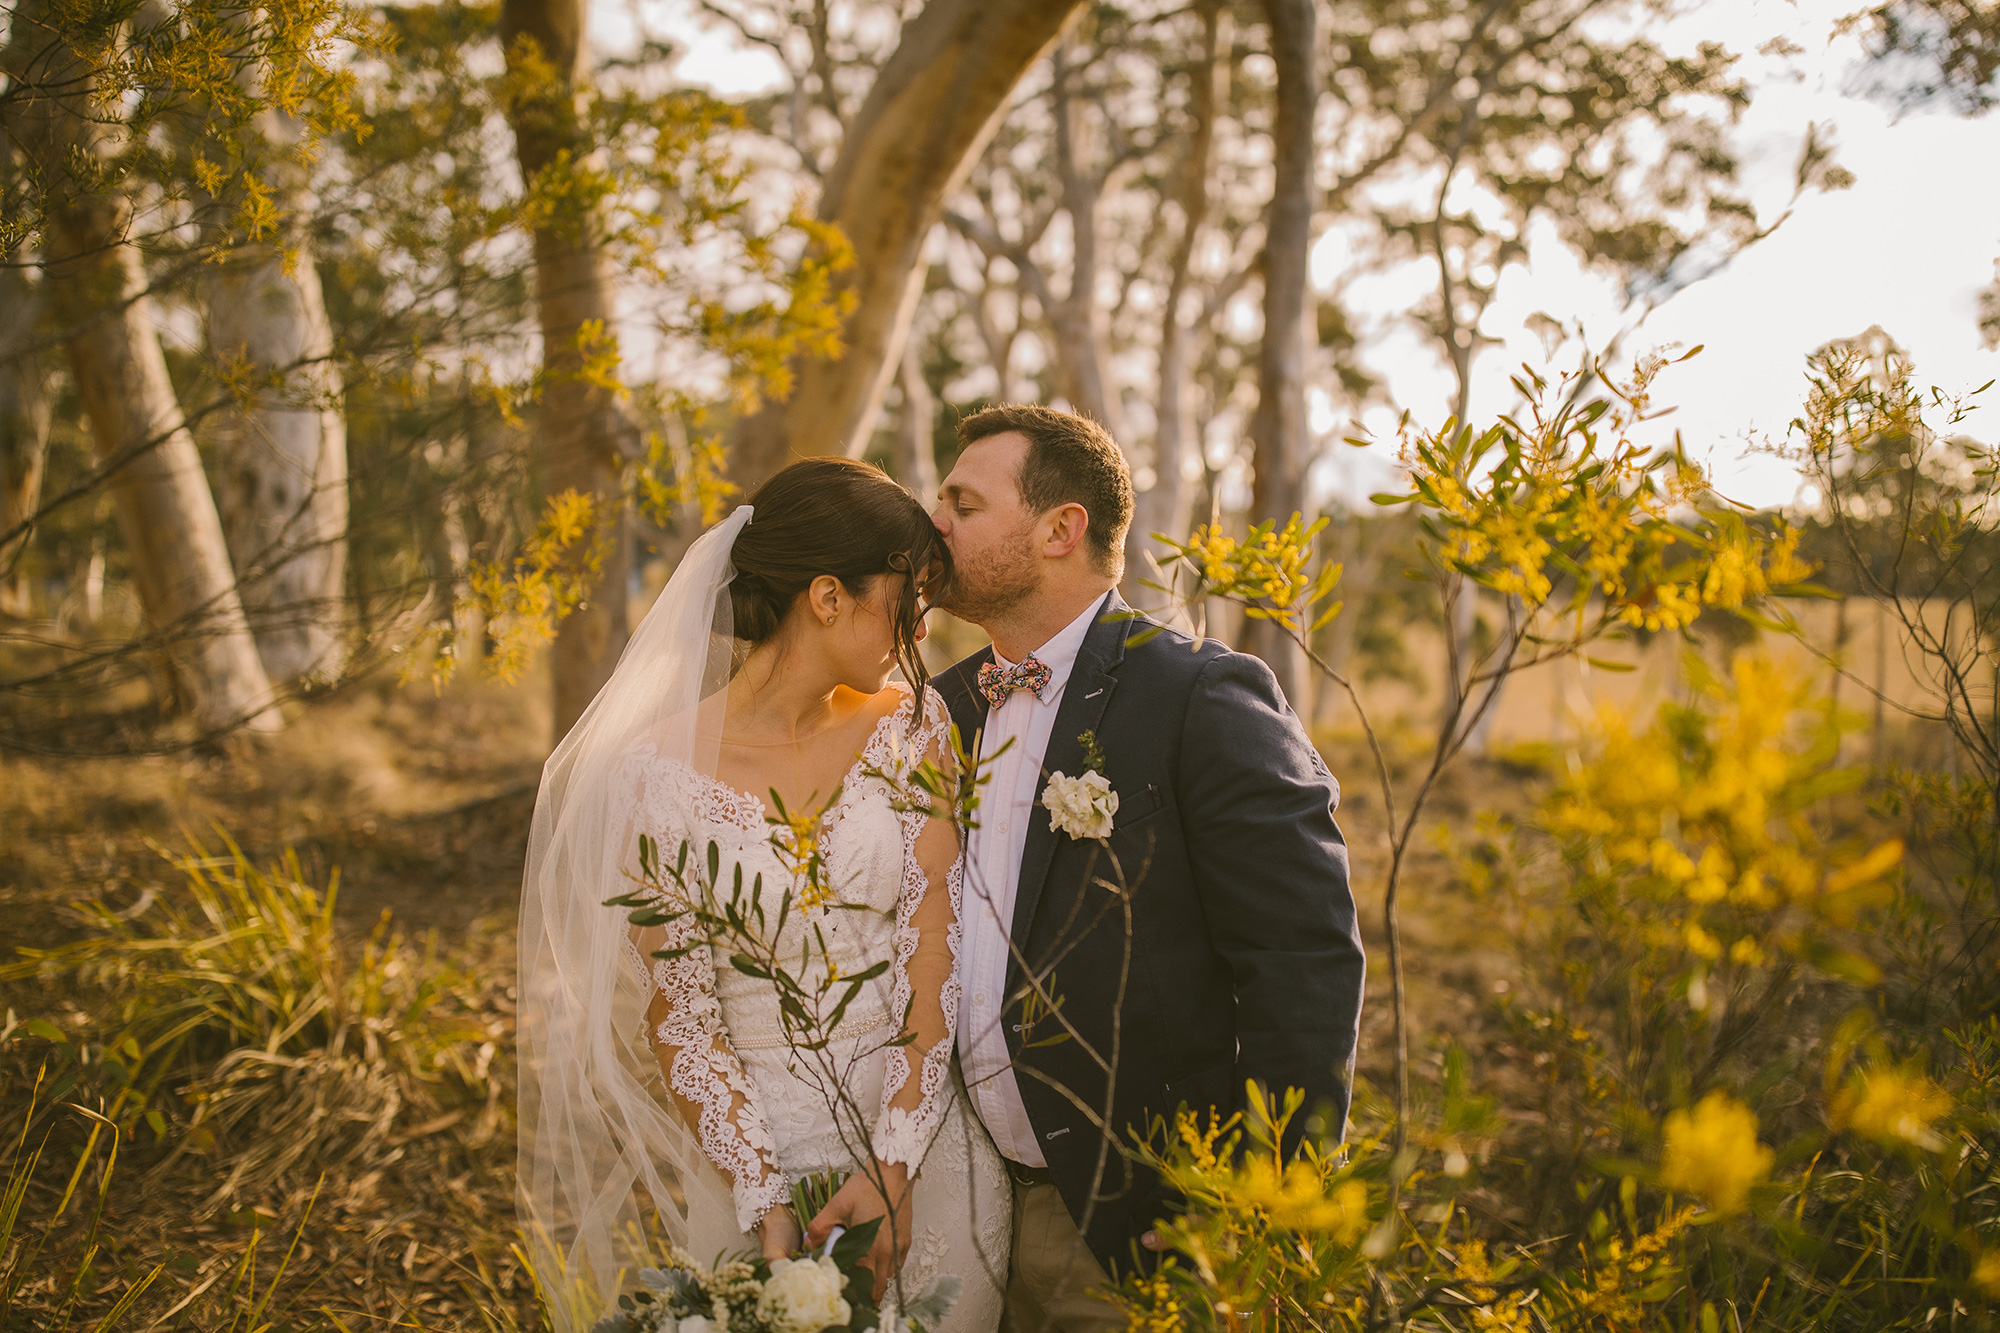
(1081, 807)
(803, 1296)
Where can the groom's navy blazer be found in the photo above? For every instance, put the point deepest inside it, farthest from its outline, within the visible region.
(1241, 959)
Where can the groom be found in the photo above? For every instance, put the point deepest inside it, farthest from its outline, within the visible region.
(1238, 957)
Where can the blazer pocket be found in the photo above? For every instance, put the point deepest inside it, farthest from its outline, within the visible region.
(1138, 807)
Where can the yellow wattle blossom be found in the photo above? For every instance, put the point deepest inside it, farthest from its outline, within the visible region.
(1712, 1151)
(1268, 572)
(1155, 1307)
(1622, 1279)
(795, 837)
(1893, 1106)
(1782, 564)
(1200, 1143)
(1298, 1200)
(1501, 1312)
(1747, 952)
(1672, 606)
(557, 567)
(1700, 942)
(1695, 822)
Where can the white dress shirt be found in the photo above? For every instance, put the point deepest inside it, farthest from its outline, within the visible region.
(992, 879)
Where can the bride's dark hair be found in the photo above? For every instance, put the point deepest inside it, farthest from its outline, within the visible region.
(848, 519)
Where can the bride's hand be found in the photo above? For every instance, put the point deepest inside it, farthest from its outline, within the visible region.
(860, 1200)
(778, 1233)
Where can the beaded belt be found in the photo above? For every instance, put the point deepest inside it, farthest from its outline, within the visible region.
(852, 1025)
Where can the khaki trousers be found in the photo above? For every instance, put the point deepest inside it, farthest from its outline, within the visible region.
(1052, 1271)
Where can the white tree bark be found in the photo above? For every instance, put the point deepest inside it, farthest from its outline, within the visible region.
(281, 470)
(1168, 507)
(932, 109)
(97, 290)
(916, 446)
(1075, 319)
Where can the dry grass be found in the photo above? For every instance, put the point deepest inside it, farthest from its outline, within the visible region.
(375, 1145)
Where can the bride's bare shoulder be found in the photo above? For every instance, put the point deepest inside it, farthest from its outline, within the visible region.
(891, 698)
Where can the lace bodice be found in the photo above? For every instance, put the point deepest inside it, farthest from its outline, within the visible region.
(719, 1034)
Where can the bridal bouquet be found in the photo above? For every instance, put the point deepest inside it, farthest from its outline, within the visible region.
(810, 1294)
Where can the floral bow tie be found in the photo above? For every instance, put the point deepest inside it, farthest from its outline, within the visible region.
(997, 682)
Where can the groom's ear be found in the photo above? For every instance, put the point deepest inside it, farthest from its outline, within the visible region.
(1064, 526)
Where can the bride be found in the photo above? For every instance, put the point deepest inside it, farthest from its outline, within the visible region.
(666, 1094)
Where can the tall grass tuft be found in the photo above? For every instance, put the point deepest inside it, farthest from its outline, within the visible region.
(234, 1010)
(258, 1068)
(25, 1267)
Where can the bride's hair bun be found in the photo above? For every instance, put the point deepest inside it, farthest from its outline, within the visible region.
(752, 612)
(841, 517)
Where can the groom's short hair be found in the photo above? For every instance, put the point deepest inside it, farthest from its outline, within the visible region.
(1070, 460)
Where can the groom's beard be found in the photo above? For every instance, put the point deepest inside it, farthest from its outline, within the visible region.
(985, 590)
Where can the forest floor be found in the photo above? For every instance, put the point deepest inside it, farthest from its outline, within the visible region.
(421, 801)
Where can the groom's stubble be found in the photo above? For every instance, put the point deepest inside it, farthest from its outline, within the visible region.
(987, 584)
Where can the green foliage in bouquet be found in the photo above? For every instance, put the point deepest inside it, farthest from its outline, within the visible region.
(805, 1294)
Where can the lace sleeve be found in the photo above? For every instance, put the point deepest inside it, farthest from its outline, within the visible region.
(684, 1025)
(924, 969)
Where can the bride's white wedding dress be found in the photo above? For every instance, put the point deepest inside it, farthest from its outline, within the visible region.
(771, 1114)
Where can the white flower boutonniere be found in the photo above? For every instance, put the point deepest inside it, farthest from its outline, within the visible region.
(1082, 806)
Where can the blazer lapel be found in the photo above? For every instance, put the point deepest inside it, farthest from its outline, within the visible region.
(960, 687)
(1091, 681)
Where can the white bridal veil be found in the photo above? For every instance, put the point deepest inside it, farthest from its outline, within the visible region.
(607, 1167)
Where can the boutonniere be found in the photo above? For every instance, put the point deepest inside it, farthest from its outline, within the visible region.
(1082, 806)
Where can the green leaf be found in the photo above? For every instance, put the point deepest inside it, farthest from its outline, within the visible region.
(1384, 498)
(1605, 664)
(854, 1243)
(47, 1031)
(749, 966)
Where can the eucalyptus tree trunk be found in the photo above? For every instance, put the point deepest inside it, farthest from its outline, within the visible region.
(97, 296)
(916, 422)
(1278, 430)
(583, 438)
(281, 468)
(1075, 320)
(1168, 507)
(932, 109)
(24, 427)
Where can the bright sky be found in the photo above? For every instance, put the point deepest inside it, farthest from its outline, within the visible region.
(1907, 247)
